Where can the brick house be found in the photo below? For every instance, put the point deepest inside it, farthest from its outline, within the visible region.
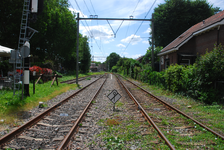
(195, 41)
(140, 58)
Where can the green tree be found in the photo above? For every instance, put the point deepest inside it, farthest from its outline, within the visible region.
(97, 63)
(10, 19)
(176, 16)
(84, 55)
(112, 60)
(55, 40)
(148, 56)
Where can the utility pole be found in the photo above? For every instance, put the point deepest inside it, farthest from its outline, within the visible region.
(152, 41)
(77, 50)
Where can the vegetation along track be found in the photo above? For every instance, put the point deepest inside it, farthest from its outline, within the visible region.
(54, 127)
(181, 130)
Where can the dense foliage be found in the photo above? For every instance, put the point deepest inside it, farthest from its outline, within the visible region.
(56, 40)
(174, 17)
(201, 80)
(112, 60)
(147, 57)
(5, 66)
(10, 19)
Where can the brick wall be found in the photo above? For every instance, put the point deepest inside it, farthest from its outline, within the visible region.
(221, 35)
(205, 41)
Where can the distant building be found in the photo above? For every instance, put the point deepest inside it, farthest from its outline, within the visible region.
(140, 59)
(195, 41)
(93, 67)
(102, 67)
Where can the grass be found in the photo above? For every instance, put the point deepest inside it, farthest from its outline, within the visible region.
(209, 115)
(119, 104)
(88, 78)
(126, 134)
(11, 105)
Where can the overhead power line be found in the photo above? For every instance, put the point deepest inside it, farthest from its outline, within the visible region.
(87, 7)
(131, 15)
(88, 30)
(92, 6)
(138, 27)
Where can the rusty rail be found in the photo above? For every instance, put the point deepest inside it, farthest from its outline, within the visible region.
(66, 140)
(177, 110)
(74, 80)
(147, 116)
(20, 129)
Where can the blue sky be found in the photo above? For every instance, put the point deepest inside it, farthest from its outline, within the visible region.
(131, 39)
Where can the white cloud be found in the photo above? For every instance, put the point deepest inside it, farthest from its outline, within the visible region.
(77, 11)
(145, 42)
(106, 41)
(100, 32)
(136, 56)
(127, 55)
(133, 39)
(121, 45)
(148, 30)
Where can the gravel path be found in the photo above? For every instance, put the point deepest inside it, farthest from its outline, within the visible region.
(90, 134)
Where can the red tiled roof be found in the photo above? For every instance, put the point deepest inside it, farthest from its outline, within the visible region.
(140, 57)
(207, 22)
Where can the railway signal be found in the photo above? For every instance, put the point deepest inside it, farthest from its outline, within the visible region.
(114, 96)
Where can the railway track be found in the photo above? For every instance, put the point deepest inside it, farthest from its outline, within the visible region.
(174, 126)
(54, 128)
(73, 124)
(74, 80)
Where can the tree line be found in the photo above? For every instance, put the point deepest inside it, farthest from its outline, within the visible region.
(201, 80)
(56, 40)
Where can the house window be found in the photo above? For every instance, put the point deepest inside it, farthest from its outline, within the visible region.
(162, 60)
(167, 63)
(185, 62)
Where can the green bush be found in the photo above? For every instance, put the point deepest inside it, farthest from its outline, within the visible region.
(174, 77)
(114, 69)
(209, 69)
(200, 81)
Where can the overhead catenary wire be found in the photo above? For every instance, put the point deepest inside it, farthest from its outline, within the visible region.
(138, 28)
(97, 25)
(92, 6)
(97, 22)
(87, 7)
(117, 29)
(135, 7)
(129, 21)
(89, 31)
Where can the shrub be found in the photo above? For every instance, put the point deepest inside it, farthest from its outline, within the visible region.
(209, 69)
(174, 77)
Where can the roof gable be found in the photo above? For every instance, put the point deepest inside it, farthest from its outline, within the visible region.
(203, 25)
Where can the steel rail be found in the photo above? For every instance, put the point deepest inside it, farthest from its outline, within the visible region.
(146, 115)
(20, 129)
(75, 79)
(179, 111)
(66, 140)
